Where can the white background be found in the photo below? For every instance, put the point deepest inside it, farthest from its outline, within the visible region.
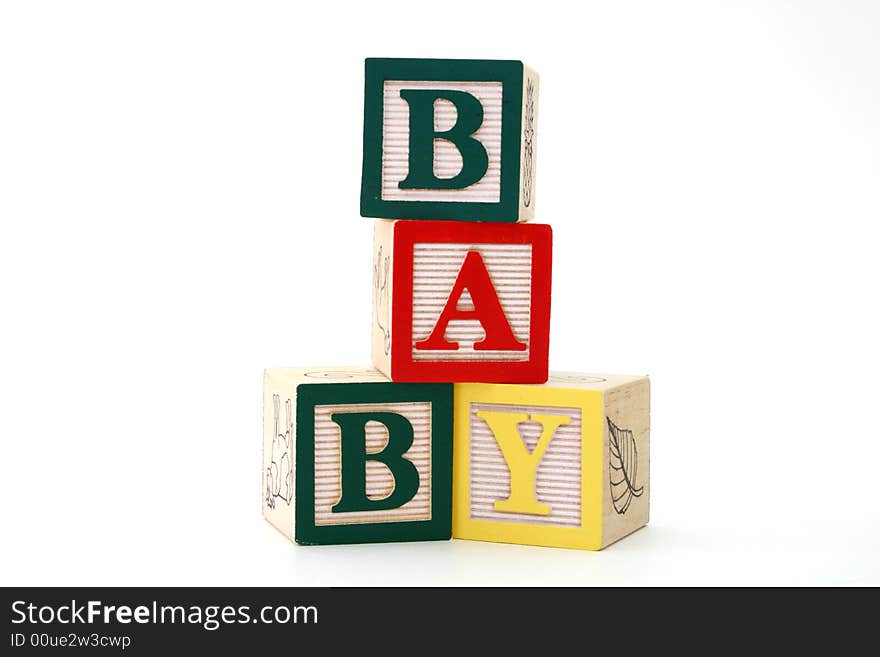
(179, 193)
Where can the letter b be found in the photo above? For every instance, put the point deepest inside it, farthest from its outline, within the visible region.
(354, 461)
(475, 160)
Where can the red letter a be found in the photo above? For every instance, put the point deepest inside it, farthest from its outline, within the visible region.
(487, 310)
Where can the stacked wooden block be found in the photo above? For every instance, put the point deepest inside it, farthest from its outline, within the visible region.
(460, 431)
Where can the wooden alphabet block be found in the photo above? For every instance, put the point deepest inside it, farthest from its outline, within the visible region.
(349, 457)
(461, 302)
(564, 464)
(449, 139)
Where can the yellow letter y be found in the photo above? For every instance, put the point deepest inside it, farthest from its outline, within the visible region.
(523, 465)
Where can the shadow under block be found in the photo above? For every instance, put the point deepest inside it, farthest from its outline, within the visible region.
(349, 457)
(450, 139)
(565, 464)
(461, 302)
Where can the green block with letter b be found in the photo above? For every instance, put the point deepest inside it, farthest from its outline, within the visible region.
(350, 457)
(451, 139)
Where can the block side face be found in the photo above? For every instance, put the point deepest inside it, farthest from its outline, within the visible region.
(485, 93)
(498, 429)
(452, 281)
(626, 450)
(383, 286)
(322, 412)
(279, 451)
(293, 376)
(590, 381)
(529, 144)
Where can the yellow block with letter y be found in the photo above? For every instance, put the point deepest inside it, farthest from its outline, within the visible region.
(535, 464)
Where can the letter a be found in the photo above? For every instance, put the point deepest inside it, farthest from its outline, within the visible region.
(354, 461)
(523, 465)
(474, 277)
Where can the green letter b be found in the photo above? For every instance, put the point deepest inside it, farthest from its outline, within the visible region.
(475, 160)
(354, 461)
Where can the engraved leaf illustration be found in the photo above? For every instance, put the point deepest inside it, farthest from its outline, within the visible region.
(623, 467)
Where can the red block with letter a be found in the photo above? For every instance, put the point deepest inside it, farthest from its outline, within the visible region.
(461, 302)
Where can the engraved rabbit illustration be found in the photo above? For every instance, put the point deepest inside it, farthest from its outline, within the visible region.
(279, 474)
